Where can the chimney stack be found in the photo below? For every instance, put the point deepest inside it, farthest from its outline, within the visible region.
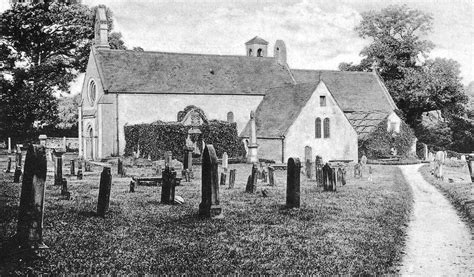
(101, 29)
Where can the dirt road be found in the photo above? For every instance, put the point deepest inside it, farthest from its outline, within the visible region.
(438, 242)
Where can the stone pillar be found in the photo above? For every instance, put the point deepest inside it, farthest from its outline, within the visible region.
(232, 178)
(104, 192)
(210, 205)
(31, 211)
(9, 145)
(293, 183)
(271, 176)
(252, 180)
(168, 185)
(58, 169)
(79, 133)
(42, 138)
(252, 156)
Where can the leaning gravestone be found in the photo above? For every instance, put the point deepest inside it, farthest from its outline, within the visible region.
(252, 180)
(293, 183)
(232, 178)
(30, 214)
(104, 191)
(271, 176)
(209, 206)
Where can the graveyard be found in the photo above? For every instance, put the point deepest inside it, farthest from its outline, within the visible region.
(357, 229)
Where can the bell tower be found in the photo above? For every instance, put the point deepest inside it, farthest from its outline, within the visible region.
(101, 39)
(256, 47)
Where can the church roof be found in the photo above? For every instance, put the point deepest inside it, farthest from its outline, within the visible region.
(257, 40)
(157, 72)
(279, 109)
(353, 91)
(364, 122)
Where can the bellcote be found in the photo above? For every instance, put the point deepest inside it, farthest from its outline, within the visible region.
(101, 30)
(256, 47)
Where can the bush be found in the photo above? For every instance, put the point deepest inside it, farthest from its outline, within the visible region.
(379, 142)
(156, 138)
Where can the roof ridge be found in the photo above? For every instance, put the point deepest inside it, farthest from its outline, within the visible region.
(333, 70)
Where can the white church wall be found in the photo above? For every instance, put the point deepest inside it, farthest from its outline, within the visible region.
(147, 108)
(342, 142)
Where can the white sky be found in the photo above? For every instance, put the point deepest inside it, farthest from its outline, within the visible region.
(318, 34)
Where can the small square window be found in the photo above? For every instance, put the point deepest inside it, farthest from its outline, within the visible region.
(322, 101)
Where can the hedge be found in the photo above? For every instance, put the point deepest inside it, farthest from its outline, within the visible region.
(156, 138)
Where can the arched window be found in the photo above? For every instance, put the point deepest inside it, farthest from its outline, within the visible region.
(326, 128)
(230, 117)
(259, 52)
(250, 52)
(92, 92)
(317, 127)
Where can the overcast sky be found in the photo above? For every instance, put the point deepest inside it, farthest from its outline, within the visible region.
(318, 34)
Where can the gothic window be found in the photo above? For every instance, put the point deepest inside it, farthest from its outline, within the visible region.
(250, 52)
(317, 126)
(322, 101)
(230, 117)
(92, 92)
(259, 52)
(326, 128)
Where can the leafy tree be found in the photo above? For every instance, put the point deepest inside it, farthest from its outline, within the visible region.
(138, 49)
(116, 42)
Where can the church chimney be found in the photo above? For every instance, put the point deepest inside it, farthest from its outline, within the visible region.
(279, 52)
(101, 30)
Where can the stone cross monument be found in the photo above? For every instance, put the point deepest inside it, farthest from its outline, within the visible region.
(252, 146)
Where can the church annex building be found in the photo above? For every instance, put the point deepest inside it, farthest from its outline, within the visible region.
(320, 111)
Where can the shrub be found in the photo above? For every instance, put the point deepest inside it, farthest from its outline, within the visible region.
(156, 138)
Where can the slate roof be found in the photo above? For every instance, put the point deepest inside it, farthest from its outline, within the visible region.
(257, 40)
(157, 72)
(353, 91)
(365, 122)
(279, 109)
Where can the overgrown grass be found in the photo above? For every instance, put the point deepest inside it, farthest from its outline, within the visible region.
(460, 194)
(359, 229)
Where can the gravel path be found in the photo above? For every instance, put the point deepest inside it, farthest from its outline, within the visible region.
(438, 242)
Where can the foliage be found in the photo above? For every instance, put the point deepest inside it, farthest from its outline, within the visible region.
(156, 138)
(463, 134)
(380, 142)
(116, 42)
(438, 135)
(359, 230)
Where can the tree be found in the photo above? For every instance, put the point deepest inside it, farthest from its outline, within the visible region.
(116, 42)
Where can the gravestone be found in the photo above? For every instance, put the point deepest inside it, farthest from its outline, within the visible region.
(225, 162)
(64, 191)
(87, 166)
(30, 215)
(425, 151)
(9, 145)
(470, 166)
(370, 174)
(168, 159)
(252, 180)
(58, 169)
(9, 165)
(293, 183)
(439, 162)
(159, 170)
(252, 156)
(73, 168)
(104, 192)
(120, 168)
(17, 175)
(79, 169)
(232, 178)
(132, 186)
(223, 179)
(329, 178)
(341, 177)
(168, 185)
(363, 160)
(271, 176)
(308, 154)
(318, 168)
(264, 176)
(308, 169)
(358, 171)
(210, 205)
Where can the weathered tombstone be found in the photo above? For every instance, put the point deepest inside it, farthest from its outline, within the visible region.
(64, 144)
(293, 183)
(17, 175)
(79, 169)
(225, 162)
(439, 161)
(425, 151)
(308, 169)
(87, 166)
(252, 156)
(168, 159)
(159, 170)
(210, 205)
(357, 170)
(370, 174)
(271, 176)
(30, 215)
(470, 165)
(64, 190)
(308, 154)
(120, 167)
(341, 177)
(363, 160)
(58, 169)
(9, 145)
(168, 185)
(223, 178)
(232, 178)
(104, 191)
(132, 186)
(252, 181)
(318, 167)
(329, 178)
(9, 165)
(73, 167)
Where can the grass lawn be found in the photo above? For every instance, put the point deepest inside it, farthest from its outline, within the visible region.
(460, 193)
(359, 229)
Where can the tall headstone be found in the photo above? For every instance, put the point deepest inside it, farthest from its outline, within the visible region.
(73, 167)
(168, 185)
(252, 156)
(168, 159)
(329, 178)
(79, 169)
(120, 167)
(425, 152)
(225, 161)
(9, 145)
(223, 178)
(64, 144)
(30, 214)
(271, 176)
(470, 166)
(64, 191)
(210, 204)
(293, 183)
(232, 178)
(9, 165)
(439, 162)
(17, 174)
(104, 192)
(318, 167)
(308, 169)
(132, 186)
(252, 180)
(58, 169)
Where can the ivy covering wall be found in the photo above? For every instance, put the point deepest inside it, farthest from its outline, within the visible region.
(380, 142)
(156, 138)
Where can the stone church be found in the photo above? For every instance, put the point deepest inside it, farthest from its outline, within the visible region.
(297, 112)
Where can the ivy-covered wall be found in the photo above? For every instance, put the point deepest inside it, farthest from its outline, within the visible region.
(156, 138)
(380, 142)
